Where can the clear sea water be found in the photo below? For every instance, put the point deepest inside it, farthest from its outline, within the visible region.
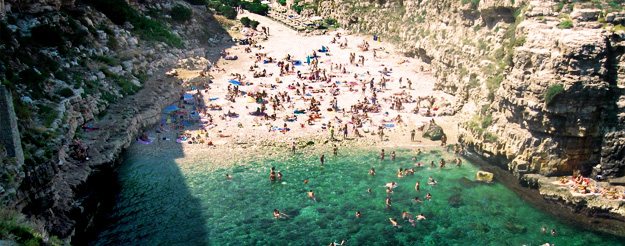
(167, 199)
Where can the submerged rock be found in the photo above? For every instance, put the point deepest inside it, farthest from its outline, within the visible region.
(455, 201)
(467, 183)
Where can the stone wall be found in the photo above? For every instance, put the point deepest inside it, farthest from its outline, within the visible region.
(9, 133)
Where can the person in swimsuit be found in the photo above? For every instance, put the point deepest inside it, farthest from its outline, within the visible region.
(311, 195)
(277, 214)
(372, 171)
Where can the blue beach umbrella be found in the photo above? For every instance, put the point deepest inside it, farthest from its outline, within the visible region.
(171, 108)
(234, 82)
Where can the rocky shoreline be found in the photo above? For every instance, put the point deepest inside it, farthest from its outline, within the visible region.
(587, 211)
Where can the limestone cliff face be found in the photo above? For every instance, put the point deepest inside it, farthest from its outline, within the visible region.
(67, 65)
(543, 80)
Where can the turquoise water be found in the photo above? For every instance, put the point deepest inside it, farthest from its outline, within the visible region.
(169, 200)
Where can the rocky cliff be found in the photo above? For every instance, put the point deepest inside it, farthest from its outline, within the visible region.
(542, 79)
(71, 64)
(539, 84)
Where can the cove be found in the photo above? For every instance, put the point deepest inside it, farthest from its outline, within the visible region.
(167, 198)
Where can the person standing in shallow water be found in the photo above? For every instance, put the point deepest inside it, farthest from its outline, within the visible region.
(322, 159)
(382, 155)
(335, 150)
(393, 156)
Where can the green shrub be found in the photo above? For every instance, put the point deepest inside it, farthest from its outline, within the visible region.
(196, 2)
(475, 3)
(490, 138)
(48, 35)
(228, 12)
(566, 24)
(65, 92)
(282, 2)
(120, 12)
(477, 28)
(519, 41)
(255, 7)
(213, 5)
(181, 13)
(48, 114)
(553, 91)
(245, 21)
(254, 24)
(558, 7)
(330, 21)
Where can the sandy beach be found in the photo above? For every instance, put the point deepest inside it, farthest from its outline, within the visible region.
(246, 132)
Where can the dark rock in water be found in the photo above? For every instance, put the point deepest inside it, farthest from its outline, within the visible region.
(455, 201)
(352, 229)
(515, 228)
(291, 211)
(433, 131)
(465, 182)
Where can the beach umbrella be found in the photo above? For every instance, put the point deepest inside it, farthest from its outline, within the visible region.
(234, 82)
(171, 108)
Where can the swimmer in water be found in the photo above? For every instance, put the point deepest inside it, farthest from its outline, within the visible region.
(388, 202)
(382, 155)
(433, 182)
(544, 229)
(420, 217)
(400, 172)
(428, 196)
(418, 152)
(432, 164)
(228, 176)
(390, 185)
(279, 176)
(393, 156)
(405, 215)
(369, 191)
(458, 162)
(416, 199)
(358, 214)
(335, 150)
(336, 244)
(372, 171)
(272, 176)
(311, 195)
(553, 231)
(416, 186)
(388, 190)
(322, 159)
(442, 163)
(394, 222)
(277, 214)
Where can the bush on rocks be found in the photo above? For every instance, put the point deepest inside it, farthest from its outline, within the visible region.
(254, 24)
(228, 12)
(181, 13)
(245, 21)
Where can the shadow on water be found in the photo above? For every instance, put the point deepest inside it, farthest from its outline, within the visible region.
(154, 205)
(148, 201)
